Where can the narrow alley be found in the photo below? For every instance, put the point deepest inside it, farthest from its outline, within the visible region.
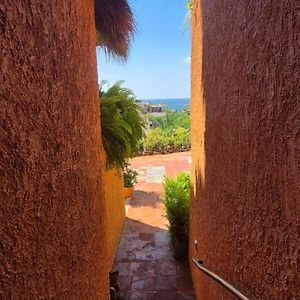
(146, 266)
(87, 85)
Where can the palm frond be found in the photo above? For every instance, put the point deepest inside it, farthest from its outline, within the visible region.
(122, 124)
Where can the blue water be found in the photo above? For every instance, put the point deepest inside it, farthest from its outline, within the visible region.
(178, 103)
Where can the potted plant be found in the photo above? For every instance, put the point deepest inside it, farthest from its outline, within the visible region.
(176, 199)
(130, 178)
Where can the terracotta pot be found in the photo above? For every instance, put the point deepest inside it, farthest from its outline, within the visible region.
(128, 192)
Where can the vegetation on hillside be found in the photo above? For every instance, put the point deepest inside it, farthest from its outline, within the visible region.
(172, 120)
(123, 127)
(172, 133)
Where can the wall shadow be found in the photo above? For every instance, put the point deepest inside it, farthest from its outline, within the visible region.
(147, 268)
(142, 198)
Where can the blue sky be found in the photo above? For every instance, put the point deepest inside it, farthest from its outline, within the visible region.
(158, 65)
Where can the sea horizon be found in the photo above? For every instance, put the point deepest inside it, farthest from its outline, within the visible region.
(172, 103)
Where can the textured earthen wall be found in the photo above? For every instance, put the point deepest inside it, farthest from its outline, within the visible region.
(115, 211)
(246, 147)
(52, 206)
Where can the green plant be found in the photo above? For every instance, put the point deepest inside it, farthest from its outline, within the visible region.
(130, 176)
(122, 124)
(153, 140)
(173, 133)
(167, 139)
(187, 19)
(172, 120)
(176, 199)
(189, 5)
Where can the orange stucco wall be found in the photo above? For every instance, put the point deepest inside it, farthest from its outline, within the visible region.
(115, 211)
(52, 211)
(246, 147)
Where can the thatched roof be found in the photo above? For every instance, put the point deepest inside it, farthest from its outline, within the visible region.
(114, 26)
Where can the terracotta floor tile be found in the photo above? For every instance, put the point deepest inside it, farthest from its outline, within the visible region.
(143, 283)
(162, 239)
(145, 255)
(123, 256)
(186, 295)
(167, 295)
(124, 268)
(163, 255)
(147, 267)
(165, 283)
(143, 269)
(148, 237)
(141, 296)
(125, 283)
(133, 245)
(166, 268)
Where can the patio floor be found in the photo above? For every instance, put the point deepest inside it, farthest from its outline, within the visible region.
(144, 260)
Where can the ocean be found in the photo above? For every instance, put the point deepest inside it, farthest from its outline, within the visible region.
(176, 103)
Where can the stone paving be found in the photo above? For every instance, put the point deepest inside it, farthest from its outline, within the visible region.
(144, 260)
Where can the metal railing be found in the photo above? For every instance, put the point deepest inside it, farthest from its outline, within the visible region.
(218, 279)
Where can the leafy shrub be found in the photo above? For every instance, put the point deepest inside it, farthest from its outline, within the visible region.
(176, 199)
(167, 140)
(122, 124)
(153, 140)
(172, 133)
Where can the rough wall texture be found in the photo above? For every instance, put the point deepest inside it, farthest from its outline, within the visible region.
(246, 147)
(52, 207)
(115, 211)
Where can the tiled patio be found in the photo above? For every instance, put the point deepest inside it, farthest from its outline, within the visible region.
(144, 260)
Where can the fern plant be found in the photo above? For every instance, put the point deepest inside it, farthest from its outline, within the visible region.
(176, 199)
(122, 124)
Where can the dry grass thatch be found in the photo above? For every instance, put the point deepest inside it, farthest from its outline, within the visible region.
(114, 25)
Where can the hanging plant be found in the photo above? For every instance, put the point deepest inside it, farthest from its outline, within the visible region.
(189, 5)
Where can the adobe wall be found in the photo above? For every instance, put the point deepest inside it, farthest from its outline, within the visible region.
(115, 211)
(246, 147)
(52, 202)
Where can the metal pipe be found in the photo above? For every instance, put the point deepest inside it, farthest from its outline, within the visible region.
(218, 279)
